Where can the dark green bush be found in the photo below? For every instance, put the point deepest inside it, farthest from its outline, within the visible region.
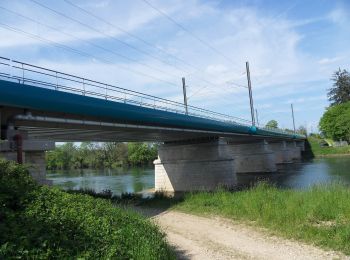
(42, 222)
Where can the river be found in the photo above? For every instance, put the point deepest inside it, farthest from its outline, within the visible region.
(299, 175)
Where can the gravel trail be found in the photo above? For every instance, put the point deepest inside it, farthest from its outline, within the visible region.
(196, 237)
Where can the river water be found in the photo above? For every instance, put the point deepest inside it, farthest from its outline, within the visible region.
(298, 175)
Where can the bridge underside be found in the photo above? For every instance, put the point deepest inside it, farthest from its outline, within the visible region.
(63, 127)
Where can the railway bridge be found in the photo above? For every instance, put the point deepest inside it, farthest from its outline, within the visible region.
(200, 149)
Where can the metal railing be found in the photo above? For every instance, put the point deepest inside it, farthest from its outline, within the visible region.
(25, 73)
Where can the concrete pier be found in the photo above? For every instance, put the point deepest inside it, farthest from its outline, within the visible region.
(295, 150)
(282, 152)
(195, 166)
(253, 157)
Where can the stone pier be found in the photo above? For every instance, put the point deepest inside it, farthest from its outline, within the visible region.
(253, 157)
(194, 166)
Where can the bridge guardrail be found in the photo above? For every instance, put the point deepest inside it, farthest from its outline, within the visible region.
(22, 73)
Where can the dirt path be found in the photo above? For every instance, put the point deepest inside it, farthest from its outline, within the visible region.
(216, 238)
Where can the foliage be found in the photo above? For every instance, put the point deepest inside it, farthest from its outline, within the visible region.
(335, 122)
(320, 215)
(318, 147)
(340, 92)
(302, 130)
(272, 124)
(141, 153)
(100, 155)
(43, 223)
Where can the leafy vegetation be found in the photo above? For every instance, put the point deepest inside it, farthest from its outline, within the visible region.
(100, 155)
(42, 223)
(340, 92)
(272, 124)
(335, 122)
(320, 215)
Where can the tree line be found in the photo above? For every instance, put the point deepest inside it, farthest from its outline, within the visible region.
(100, 155)
(335, 122)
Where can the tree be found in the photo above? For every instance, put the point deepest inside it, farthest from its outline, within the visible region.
(340, 92)
(141, 153)
(302, 130)
(272, 124)
(335, 122)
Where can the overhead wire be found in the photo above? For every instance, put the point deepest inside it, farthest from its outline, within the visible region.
(82, 53)
(189, 32)
(89, 42)
(140, 39)
(67, 48)
(103, 33)
(112, 37)
(130, 34)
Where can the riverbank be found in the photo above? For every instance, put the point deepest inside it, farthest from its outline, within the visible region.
(319, 215)
(317, 150)
(197, 237)
(38, 222)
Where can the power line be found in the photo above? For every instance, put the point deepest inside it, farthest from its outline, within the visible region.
(188, 31)
(89, 42)
(105, 34)
(130, 34)
(82, 53)
(140, 39)
(92, 28)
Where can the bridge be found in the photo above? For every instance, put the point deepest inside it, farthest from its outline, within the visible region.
(200, 149)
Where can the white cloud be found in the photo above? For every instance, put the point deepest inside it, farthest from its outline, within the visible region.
(340, 15)
(326, 61)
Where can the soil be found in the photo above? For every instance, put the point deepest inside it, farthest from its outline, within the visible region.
(195, 237)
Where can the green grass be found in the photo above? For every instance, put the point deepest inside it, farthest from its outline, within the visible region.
(318, 150)
(44, 223)
(319, 215)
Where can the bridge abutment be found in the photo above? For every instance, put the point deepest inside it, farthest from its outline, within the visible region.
(253, 157)
(194, 166)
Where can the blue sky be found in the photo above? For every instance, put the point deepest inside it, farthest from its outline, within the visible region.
(293, 48)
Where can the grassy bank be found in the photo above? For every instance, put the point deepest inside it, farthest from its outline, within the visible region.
(319, 151)
(42, 223)
(320, 215)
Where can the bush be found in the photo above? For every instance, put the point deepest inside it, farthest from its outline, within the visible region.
(335, 122)
(42, 222)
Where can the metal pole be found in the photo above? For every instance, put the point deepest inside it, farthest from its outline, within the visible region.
(250, 93)
(291, 105)
(257, 117)
(184, 92)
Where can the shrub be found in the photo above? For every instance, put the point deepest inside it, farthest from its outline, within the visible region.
(42, 222)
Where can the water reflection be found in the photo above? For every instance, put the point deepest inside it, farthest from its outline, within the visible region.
(297, 176)
(117, 180)
(302, 175)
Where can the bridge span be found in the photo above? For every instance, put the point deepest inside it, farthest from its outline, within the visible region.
(201, 149)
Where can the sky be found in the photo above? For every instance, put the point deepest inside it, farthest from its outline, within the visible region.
(293, 48)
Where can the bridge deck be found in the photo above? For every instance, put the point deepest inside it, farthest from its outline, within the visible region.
(61, 116)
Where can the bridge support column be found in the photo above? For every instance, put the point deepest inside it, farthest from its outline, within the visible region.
(282, 153)
(253, 157)
(295, 150)
(33, 153)
(194, 166)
